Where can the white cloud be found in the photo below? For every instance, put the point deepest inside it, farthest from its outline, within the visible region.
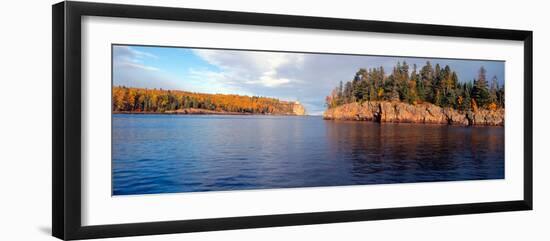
(288, 76)
(252, 68)
(137, 66)
(141, 54)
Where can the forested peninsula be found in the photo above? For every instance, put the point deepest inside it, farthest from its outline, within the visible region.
(431, 95)
(159, 101)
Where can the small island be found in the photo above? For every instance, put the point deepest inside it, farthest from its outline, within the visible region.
(158, 101)
(429, 95)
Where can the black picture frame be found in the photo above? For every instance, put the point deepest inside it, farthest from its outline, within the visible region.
(66, 128)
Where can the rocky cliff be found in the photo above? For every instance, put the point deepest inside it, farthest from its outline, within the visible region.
(298, 109)
(291, 108)
(421, 113)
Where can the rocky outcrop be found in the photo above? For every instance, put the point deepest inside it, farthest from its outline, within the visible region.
(298, 109)
(291, 108)
(487, 117)
(400, 112)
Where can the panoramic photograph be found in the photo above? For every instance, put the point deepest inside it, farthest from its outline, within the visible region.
(188, 119)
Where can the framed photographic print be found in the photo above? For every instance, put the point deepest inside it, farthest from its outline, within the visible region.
(169, 120)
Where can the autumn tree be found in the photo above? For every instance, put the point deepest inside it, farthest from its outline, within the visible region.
(152, 100)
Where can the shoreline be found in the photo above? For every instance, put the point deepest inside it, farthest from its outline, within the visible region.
(318, 116)
(411, 123)
(198, 112)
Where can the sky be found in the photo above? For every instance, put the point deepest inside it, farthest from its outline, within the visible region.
(302, 77)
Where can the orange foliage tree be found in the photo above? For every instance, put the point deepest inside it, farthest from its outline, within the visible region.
(125, 99)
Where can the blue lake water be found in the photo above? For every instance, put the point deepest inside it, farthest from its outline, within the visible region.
(194, 153)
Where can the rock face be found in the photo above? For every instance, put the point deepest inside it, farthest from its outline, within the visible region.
(399, 112)
(298, 109)
(291, 108)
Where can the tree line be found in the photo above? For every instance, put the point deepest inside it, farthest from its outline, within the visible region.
(436, 85)
(125, 99)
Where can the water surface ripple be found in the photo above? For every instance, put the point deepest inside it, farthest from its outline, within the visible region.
(192, 153)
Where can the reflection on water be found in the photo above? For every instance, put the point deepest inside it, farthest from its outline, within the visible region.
(186, 153)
